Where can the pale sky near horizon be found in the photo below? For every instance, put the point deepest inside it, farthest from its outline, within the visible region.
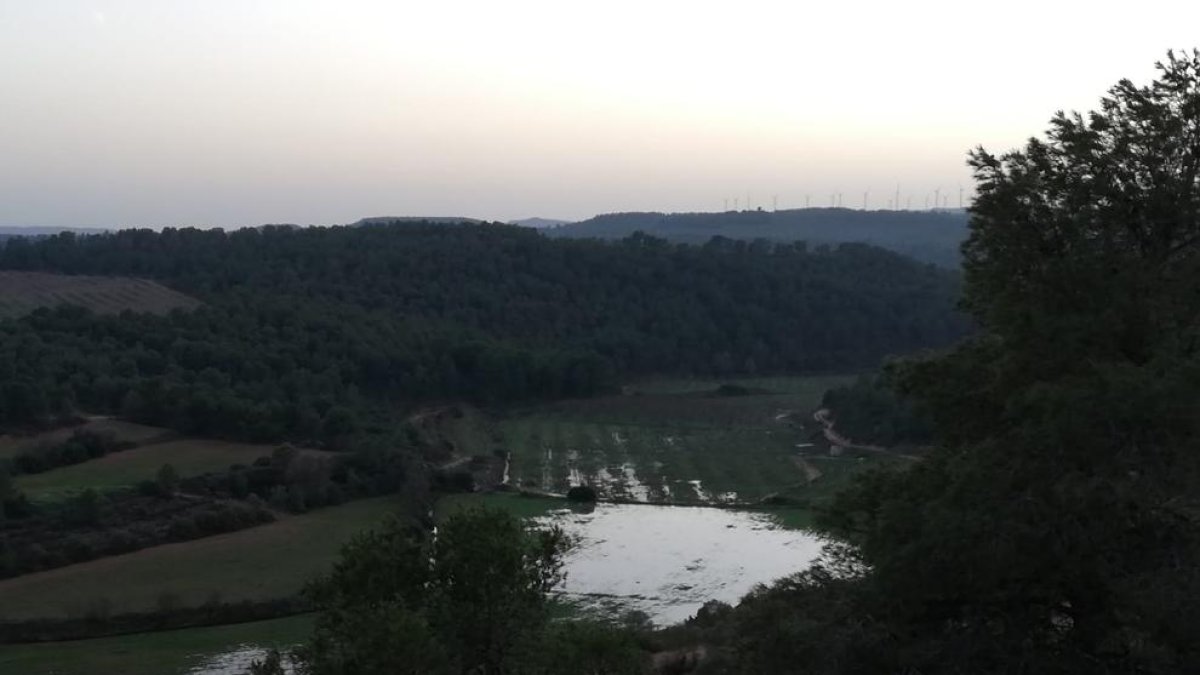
(232, 113)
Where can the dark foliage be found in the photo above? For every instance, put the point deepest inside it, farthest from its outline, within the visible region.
(91, 525)
(80, 447)
(582, 493)
(1056, 527)
(473, 600)
(302, 326)
(870, 411)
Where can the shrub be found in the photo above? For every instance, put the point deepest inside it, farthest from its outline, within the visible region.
(582, 493)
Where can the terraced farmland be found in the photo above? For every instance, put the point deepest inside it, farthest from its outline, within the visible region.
(657, 445)
(23, 292)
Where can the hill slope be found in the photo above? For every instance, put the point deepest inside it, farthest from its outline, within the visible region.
(929, 236)
(23, 292)
(299, 321)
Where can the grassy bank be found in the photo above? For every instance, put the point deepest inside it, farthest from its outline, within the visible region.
(162, 653)
(519, 505)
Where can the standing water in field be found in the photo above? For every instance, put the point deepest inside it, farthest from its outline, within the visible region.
(667, 561)
(235, 661)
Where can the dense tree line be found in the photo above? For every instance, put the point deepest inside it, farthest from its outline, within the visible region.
(80, 447)
(288, 372)
(302, 325)
(870, 411)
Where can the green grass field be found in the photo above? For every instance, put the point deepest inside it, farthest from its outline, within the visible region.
(676, 441)
(522, 506)
(190, 457)
(269, 561)
(164, 653)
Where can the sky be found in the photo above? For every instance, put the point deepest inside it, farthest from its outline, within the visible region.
(242, 112)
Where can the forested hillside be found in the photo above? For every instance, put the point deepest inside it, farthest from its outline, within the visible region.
(300, 320)
(930, 236)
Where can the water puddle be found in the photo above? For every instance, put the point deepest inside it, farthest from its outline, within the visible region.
(236, 661)
(667, 561)
(634, 488)
(548, 469)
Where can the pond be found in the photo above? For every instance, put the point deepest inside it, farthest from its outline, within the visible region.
(667, 561)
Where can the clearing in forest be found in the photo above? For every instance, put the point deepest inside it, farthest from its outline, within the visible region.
(126, 468)
(121, 431)
(23, 292)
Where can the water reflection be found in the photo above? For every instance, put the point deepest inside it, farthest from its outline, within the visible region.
(667, 561)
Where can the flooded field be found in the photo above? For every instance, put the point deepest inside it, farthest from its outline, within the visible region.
(236, 661)
(667, 561)
(679, 443)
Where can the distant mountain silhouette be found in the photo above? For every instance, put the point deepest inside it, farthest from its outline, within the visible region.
(436, 220)
(43, 231)
(929, 236)
(539, 223)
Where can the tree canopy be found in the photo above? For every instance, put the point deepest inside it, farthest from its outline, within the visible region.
(470, 599)
(1057, 525)
(301, 322)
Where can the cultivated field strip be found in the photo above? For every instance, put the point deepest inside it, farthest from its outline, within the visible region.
(189, 457)
(23, 292)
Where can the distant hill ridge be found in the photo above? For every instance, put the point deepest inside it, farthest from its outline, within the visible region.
(929, 236)
(539, 223)
(436, 220)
